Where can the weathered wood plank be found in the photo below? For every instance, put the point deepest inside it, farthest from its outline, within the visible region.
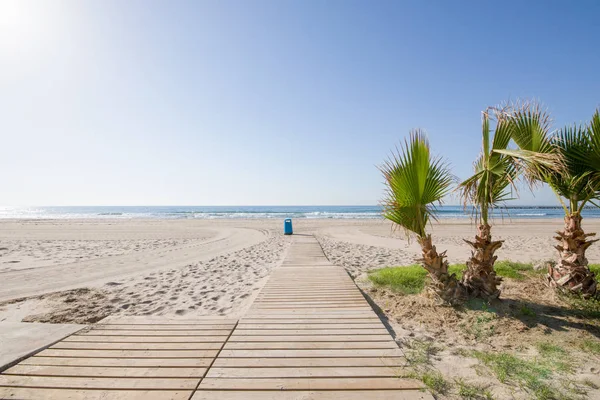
(22, 393)
(310, 338)
(119, 362)
(312, 353)
(330, 325)
(106, 372)
(137, 346)
(98, 383)
(259, 362)
(157, 327)
(309, 383)
(309, 345)
(283, 321)
(305, 372)
(355, 331)
(107, 332)
(128, 353)
(405, 394)
(145, 339)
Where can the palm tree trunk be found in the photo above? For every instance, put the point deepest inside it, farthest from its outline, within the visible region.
(572, 273)
(445, 286)
(480, 278)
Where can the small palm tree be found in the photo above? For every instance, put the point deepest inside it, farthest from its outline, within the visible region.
(415, 182)
(576, 183)
(486, 189)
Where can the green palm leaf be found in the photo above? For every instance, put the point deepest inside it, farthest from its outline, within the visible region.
(414, 182)
(495, 173)
(529, 127)
(579, 181)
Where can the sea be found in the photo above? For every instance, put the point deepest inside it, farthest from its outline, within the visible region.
(276, 212)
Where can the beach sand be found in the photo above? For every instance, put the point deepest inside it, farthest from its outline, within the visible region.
(83, 270)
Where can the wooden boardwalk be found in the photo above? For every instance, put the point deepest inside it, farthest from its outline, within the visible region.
(122, 359)
(310, 334)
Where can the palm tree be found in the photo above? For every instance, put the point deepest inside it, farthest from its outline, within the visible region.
(415, 181)
(487, 189)
(576, 183)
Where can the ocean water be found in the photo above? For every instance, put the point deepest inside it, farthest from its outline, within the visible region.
(207, 212)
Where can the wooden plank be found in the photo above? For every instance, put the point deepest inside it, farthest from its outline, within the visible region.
(102, 332)
(283, 321)
(157, 327)
(309, 296)
(311, 338)
(137, 346)
(311, 307)
(98, 383)
(404, 394)
(145, 339)
(156, 320)
(258, 362)
(308, 313)
(277, 296)
(312, 353)
(104, 372)
(331, 325)
(305, 372)
(262, 332)
(310, 345)
(309, 383)
(128, 353)
(23, 393)
(119, 362)
(293, 301)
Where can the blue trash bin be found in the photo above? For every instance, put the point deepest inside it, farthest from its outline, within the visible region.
(287, 226)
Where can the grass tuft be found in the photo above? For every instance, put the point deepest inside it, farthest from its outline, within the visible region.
(591, 346)
(435, 381)
(513, 270)
(508, 367)
(548, 350)
(412, 279)
(406, 280)
(555, 356)
(471, 391)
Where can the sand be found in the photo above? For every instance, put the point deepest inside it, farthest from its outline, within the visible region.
(81, 271)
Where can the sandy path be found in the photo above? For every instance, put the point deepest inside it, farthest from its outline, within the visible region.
(96, 272)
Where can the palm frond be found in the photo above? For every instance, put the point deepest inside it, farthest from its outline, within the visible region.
(495, 174)
(529, 124)
(415, 181)
(579, 146)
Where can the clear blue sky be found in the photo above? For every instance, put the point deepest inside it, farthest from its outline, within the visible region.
(268, 102)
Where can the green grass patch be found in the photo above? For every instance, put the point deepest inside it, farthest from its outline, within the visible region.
(435, 381)
(513, 270)
(547, 349)
(470, 391)
(587, 308)
(595, 268)
(527, 311)
(555, 356)
(412, 279)
(526, 373)
(532, 375)
(406, 280)
(591, 346)
(508, 367)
